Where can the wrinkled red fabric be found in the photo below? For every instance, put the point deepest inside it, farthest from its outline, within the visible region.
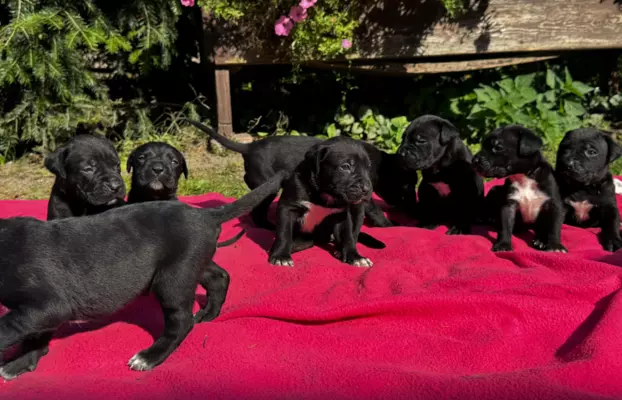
(436, 317)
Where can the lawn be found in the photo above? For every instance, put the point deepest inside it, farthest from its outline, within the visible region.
(28, 179)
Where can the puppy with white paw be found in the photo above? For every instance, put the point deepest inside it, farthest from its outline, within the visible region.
(324, 197)
(586, 185)
(530, 196)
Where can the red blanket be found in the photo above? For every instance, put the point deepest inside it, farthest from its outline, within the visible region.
(436, 317)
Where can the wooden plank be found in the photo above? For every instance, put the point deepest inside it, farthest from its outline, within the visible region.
(389, 31)
(223, 99)
(431, 67)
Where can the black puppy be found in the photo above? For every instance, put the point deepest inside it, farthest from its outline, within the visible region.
(530, 196)
(88, 177)
(84, 268)
(263, 158)
(324, 196)
(585, 184)
(451, 192)
(156, 168)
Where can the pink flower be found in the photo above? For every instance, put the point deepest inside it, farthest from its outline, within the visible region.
(346, 44)
(298, 13)
(187, 3)
(283, 26)
(307, 3)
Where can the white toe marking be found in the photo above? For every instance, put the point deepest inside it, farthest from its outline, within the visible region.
(137, 363)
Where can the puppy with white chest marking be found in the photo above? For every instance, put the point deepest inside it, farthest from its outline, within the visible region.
(530, 196)
(325, 196)
(586, 185)
(450, 192)
(156, 168)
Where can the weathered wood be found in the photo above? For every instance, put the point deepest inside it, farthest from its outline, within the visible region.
(397, 69)
(397, 29)
(223, 99)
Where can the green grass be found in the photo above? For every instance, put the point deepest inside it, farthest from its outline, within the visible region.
(28, 179)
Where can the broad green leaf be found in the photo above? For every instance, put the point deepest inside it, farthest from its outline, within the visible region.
(262, 134)
(482, 96)
(346, 120)
(568, 77)
(574, 108)
(332, 131)
(551, 78)
(357, 129)
(507, 85)
(582, 88)
(399, 122)
(494, 94)
(524, 81)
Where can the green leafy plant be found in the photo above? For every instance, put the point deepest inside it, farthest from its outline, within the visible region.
(543, 102)
(371, 126)
(56, 57)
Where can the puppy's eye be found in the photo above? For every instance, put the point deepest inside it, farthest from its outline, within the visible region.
(420, 140)
(88, 169)
(175, 162)
(590, 152)
(141, 157)
(497, 149)
(346, 167)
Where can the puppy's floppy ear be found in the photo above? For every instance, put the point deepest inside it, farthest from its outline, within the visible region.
(528, 142)
(184, 166)
(448, 131)
(614, 149)
(55, 162)
(315, 156)
(130, 161)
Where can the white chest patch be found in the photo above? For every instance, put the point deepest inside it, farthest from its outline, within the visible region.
(581, 209)
(315, 215)
(528, 196)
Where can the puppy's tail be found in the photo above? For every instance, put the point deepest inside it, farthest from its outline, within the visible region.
(370, 241)
(249, 201)
(234, 239)
(229, 144)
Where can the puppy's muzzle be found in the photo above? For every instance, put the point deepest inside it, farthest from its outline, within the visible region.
(359, 192)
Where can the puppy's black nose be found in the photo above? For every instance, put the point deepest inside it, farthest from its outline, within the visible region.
(157, 169)
(114, 185)
(402, 152)
(366, 188)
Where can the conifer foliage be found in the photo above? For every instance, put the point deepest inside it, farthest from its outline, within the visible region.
(56, 55)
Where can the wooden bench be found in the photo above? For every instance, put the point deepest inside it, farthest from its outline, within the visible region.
(395, 40)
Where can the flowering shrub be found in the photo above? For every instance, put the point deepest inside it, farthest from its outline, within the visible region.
(312, 29)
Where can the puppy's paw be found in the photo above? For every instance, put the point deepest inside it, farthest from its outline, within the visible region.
(362, 262)
(281, 261)
(140, 363)
(553, 248)
(613, 244)
(7, 375)
(457, 230)
(502, 246)
(354, 259)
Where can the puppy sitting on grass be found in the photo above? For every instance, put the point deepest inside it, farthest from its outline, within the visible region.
(586, 185)
(156, 168)
(325, 196)
(451, 192)
(530, 196)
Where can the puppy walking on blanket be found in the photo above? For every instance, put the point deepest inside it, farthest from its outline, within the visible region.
(529, 197)
(84, 268)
